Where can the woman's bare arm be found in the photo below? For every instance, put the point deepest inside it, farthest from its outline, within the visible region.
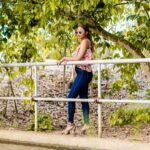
(83, 47)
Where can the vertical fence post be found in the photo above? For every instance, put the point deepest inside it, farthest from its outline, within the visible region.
(64, 81)
(35, 94)
(99, 104)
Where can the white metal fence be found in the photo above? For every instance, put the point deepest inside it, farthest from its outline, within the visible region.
(99, 100)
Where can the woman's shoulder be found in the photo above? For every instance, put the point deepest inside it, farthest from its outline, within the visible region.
(87, 42)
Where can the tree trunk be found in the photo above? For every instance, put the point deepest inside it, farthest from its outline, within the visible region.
(146, 68)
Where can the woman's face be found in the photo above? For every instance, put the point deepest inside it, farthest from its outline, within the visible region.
(80, 33)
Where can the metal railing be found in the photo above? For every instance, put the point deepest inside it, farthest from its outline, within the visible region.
(99, 100)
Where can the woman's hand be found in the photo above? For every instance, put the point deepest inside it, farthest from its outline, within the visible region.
(64, 59)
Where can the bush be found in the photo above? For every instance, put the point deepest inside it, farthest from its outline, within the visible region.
(44, 122)
(124, 116)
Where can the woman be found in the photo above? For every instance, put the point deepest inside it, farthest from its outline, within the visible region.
(84, 76)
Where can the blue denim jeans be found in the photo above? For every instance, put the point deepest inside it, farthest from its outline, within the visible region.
(80, 88)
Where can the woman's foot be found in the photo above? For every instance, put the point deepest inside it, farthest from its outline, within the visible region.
(85, 128)
(70, 127)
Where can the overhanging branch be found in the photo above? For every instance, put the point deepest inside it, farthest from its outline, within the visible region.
(121, 41)
(109, 36)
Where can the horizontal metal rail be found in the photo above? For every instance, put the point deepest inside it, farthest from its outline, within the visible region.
(15, 98)
(107, 61)
(58, 99)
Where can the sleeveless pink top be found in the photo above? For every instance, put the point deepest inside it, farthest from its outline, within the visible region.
(87, 56)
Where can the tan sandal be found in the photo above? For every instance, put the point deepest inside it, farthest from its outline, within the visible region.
(84, 128)
(70, 127)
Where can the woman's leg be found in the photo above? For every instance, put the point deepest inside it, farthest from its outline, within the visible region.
(85, 105)
(71, 107)
(74, 92)
(84, 95)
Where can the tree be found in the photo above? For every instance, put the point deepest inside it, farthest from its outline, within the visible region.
(22, 20)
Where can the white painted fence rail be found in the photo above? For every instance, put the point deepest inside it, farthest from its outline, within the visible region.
(97, 100)
(106, 61)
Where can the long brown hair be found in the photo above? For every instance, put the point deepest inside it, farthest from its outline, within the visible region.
(86, 29)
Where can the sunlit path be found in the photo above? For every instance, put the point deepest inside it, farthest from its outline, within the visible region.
(48, 140)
